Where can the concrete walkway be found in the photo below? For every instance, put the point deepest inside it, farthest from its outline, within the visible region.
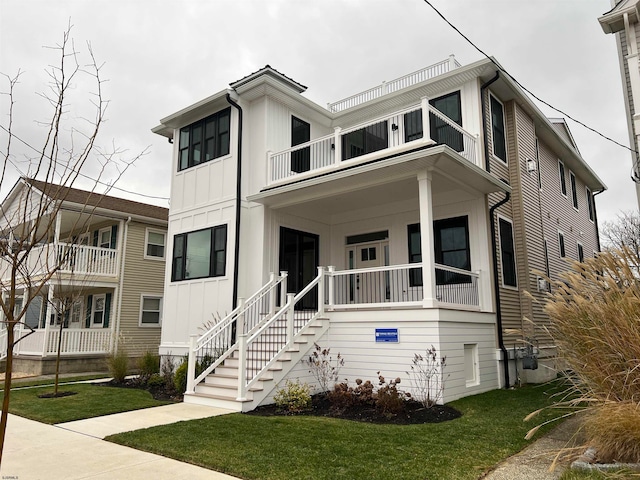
(75, 451)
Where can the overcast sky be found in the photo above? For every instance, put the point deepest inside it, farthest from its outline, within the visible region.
(161, 56)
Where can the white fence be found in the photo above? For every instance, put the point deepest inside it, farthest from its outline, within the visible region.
(75, 341)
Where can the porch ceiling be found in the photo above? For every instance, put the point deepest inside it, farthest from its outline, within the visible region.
(385, 181)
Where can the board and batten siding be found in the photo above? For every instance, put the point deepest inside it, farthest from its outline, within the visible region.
(141, 276)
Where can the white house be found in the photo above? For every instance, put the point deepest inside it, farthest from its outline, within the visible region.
(392, 220)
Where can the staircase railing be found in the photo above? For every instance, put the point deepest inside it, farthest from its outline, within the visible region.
(210, 349)
(260, 349)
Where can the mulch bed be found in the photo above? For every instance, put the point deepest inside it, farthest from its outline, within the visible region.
(414, 412)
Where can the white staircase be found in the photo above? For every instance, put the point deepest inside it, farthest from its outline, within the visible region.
(247, 365)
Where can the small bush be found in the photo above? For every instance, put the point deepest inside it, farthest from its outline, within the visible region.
(148, 364)
(295, 397)
(157, 381)
(180, 377)
(323, 367)
(118, 364)
(613, 429)
(343, 397)
(427, 377)
(389, 400)
(167, 370)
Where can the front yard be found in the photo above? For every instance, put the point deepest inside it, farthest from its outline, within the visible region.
(252, 447)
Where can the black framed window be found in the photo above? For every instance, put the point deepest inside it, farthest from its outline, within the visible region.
(300, 133)
(580, 253)
(365, 140)
(507, 253)
(590, 204)
(441, 132)
(546, 258)
(574, 193)
(199, 254)
(563, 181)
(415, 254)
(204, 140)
(563, 252)
(498, 135)
(413, 126)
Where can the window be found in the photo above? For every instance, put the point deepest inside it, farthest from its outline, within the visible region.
(97, 314)
(413, 126)
(154, 244)
(497, 129)
(104, 238)
(150, 311)
(574, 193)
(441, 131)
(507, 253)
(199, 254)
(563, 253)
(451, 249)
(580, 252)
(590, 204)
(471, 370)
(546, 258)
(365, 140)
(300, 133)
(204, 140)
(563, 183)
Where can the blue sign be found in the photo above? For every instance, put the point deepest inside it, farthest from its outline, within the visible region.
(386, 335)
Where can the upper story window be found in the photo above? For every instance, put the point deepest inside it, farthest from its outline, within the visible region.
(497, 129)
(592, 213)
(204, 140)
(199, 254)
(580, 252)
(441, 131)
(563, 252)
(300, 133)
(563, 182)
(154, 244)
(507, 253)
(574, 193)
(365, 140)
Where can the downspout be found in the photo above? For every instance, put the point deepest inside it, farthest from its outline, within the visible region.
(120, 284)
(236, 251)
(595, 217)
(496, 287)
(484, 119)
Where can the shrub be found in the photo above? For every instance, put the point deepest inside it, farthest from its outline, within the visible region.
(427, 377)
(180, 377)
(167, 370)
(595, 323)
(295, 397)
(157, 381)
(323, 367)
(118, 365)
(148, 364)
(389, 400)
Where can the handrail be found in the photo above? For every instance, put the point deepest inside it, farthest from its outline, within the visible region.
(461, 271)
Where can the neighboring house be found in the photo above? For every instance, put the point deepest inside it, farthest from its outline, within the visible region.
(623, 20)
(386, 210)
(109, 287)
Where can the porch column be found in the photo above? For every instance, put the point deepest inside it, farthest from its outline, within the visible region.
(47, 320)
(426, 239)
(57, 258)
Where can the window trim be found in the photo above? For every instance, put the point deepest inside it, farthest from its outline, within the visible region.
(146, 244)
(100, 232)
(212, 254)
(562, 176)
(154, 296)
(574, 190)
(590, 204)
(515, 263)
(504, 130)
(562, 246)
(203, 138)
(94, 302)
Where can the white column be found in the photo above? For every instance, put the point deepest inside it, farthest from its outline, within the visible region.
(47, 319)
(426, 129)
(337, 145)
(426, 240)
(57, 257)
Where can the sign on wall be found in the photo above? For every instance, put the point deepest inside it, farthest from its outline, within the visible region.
(386, 335)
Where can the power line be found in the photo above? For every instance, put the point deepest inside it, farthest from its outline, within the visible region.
(78, 172)
(499, 67)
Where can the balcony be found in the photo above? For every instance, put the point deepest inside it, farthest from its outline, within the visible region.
(393, 133)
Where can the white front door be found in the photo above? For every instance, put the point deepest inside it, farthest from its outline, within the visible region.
(98, 311)
(373, 286)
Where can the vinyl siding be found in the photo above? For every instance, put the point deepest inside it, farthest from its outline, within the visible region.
(140, 276)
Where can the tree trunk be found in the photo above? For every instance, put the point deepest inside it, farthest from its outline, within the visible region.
(7, 386)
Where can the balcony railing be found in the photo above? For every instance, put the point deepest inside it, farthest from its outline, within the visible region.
(400, 285)
(67, 258)
(395, 85)
(75, 341)
(344, 148)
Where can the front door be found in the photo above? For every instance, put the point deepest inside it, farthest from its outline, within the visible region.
(368, 287)
(299, 257)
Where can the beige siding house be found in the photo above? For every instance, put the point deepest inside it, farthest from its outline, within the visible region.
(421, 212)
(108, 255)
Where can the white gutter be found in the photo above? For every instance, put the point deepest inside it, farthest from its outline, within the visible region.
(121, 281)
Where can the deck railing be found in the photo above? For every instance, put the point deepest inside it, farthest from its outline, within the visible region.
(75, 341)
(395, 85)
(335, 151)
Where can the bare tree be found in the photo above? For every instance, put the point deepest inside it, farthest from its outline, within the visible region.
(30, 226)
(623, 232)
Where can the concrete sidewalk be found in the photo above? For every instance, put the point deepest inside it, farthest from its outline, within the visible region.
(74, 450)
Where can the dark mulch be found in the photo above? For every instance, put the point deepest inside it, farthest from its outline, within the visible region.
(57, 395)
(158, 391)
(414, 412)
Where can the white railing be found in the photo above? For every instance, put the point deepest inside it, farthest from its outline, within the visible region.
(325, 154)
(215, 345)
(66, 258)
(399, 285)
(75, 341)
(394, 85)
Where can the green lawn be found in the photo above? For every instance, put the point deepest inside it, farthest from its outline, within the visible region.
(27, 382)
(302, 447)
(90, 401)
